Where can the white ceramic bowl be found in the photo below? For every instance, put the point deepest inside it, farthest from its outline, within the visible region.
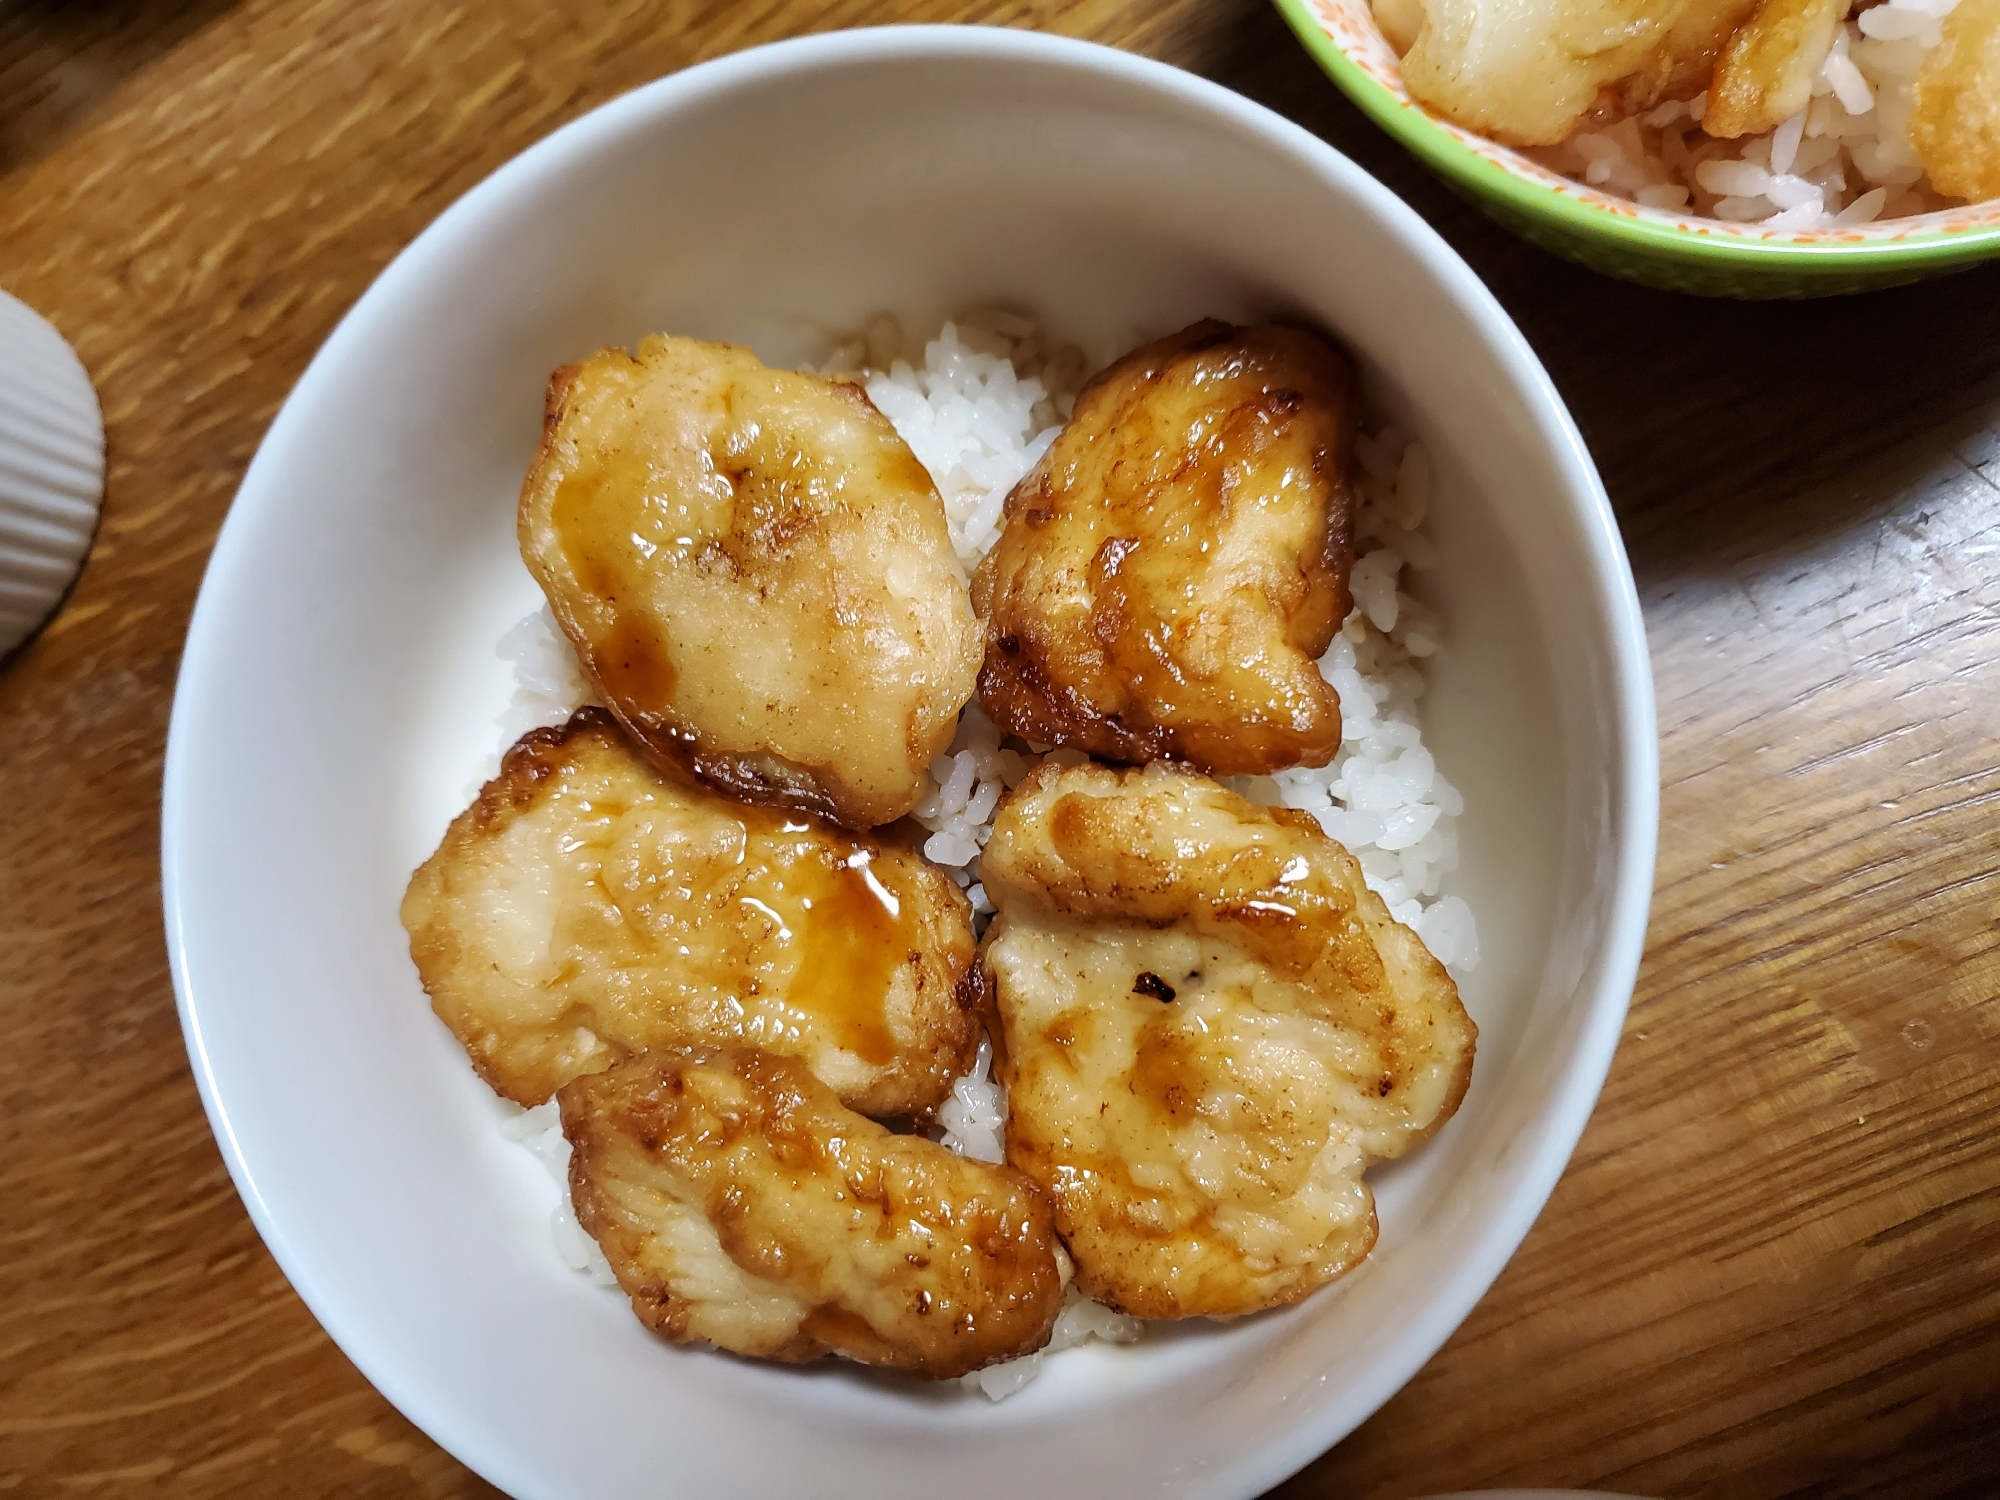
(340, 685)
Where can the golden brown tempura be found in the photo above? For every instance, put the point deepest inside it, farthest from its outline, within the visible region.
(588, 907)
(755, 572)
(1175, 564)
(1765, 75)
(738, 1202)
(1955, 125)
(1530, 77)
(1211, 1028)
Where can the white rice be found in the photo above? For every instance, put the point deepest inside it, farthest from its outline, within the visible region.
(1844, 159)
(1079, 1322)
(989, 399)
(539, 1131)
(978, 405)
(549, 685)
(973, 1119)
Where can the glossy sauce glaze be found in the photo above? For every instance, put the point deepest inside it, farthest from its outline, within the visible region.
(840, 923)
(613, 515)
(739, 1203)
(1211, 1027)
(823, 932)
(590, 906)
(731, 549)
(1175, 564)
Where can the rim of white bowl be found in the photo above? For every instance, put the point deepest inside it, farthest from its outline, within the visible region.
(1635, 803)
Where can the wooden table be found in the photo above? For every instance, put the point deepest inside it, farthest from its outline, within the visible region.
(1774, 1265)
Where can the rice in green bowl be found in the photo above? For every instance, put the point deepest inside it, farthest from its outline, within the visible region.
(1626, 223)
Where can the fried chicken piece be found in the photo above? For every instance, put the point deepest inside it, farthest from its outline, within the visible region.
(1530, 76)
(1173, 567)
(738, 1202)
(1765, 75)
(1955, 124)
(587, 907)
(756, 573)
(1211, 1028)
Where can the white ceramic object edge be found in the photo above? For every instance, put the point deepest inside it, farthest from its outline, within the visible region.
(1632, 789)
(51, 468)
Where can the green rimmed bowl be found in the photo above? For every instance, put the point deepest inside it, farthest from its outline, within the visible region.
(1708, 257)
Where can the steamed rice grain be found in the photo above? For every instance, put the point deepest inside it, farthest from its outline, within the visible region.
(539, 1130)
(1844, 159)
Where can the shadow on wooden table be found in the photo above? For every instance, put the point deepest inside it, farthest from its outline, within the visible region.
(72, 55)
(1765, 452)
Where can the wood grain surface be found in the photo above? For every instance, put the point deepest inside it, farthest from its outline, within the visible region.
(1773, 1268)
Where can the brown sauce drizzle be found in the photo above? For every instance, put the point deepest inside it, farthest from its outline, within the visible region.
(634, 668)
(849, 925)
(606, 503)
